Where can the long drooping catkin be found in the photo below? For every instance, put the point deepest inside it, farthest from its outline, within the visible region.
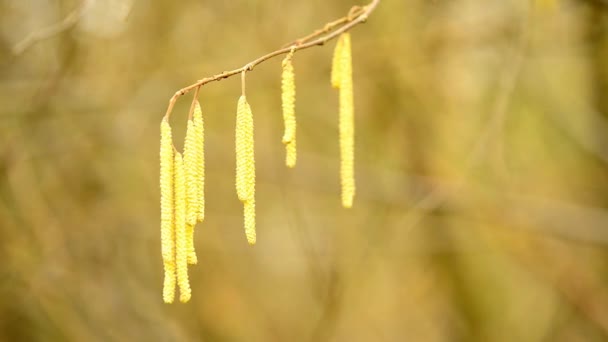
(190, 164)
(181, 237)
(288, 98)
(200, 164)
(167, 219)
(347, 124)
(245, 162)
(245, 165)
(195, 177)
(335, 63)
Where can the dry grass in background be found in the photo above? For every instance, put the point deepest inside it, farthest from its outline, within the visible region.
(481, 165)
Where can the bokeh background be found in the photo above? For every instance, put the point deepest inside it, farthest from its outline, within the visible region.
(481, 161)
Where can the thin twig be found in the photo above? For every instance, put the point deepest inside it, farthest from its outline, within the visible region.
(47, 32)
(193, 104)
(243, 82)
(352, 14)
(348, 24)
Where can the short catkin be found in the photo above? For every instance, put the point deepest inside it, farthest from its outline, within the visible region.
(288, 98)
(181, 237)
(200, 164)
(346, 123)
(167, 211)
(245, 165)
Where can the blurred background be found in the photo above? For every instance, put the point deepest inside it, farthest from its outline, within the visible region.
(481, 162)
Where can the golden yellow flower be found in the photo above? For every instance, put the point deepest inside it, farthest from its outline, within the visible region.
(167, 218)
(288, 98)
(181, 237)
(347, 124)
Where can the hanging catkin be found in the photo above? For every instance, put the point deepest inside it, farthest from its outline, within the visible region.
(167, 218)
(245, 165)
(346, 123)
(181, 237)
(335, 63)
(200, 164)
(288, 98)
(190, 164)
(245, 162)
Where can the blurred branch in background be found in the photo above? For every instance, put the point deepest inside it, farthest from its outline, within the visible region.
(482, 211)
(68, 22)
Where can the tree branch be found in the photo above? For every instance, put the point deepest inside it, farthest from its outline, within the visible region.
(356, 15)
(48, 32)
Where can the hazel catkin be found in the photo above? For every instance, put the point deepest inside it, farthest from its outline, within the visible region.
(245, 162)
(245, 166)
(181, 237)
(346, 123)
(167, 218)
(190, 164)
(288, 97)
(200, 163)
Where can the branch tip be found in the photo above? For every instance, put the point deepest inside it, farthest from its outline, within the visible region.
(356, 15)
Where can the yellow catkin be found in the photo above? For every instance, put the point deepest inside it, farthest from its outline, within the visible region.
(249, 213)
(245, 166)
(288, 98)
(190, 164)
(335, 63)
(167, 218)
(245, 162)
(200, 164)
(346, 124)
(181, 237)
